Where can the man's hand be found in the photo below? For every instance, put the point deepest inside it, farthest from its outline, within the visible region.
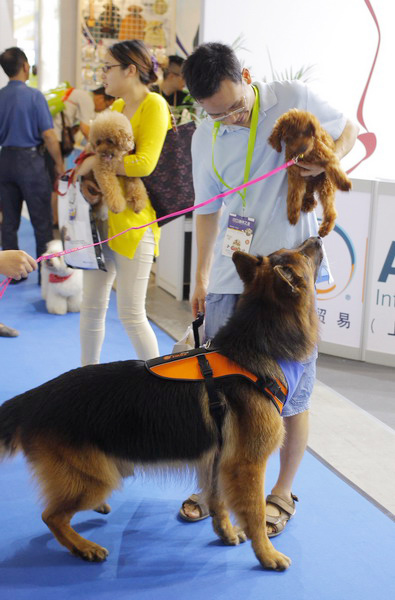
(59, 169)
(16, 264)
(198, 301)
(309, 169)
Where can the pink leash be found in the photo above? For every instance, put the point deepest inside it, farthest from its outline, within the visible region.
(293, 161)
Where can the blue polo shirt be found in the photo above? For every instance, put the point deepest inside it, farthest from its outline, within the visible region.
(24, 115)
(266, 200)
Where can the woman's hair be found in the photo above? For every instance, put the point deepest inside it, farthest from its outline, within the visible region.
(135, 52)
(12, 61)
(206, 68)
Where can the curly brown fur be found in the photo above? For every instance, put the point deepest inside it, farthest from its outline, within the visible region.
(303, 135)
(82, 431)
(111, 138)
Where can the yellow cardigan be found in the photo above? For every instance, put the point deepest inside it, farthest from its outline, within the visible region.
(150, 124)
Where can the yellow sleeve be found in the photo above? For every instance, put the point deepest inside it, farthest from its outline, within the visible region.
(154, 121)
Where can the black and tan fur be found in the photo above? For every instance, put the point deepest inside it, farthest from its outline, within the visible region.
(83, 431)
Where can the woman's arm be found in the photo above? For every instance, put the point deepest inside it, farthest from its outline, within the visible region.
(153, 126)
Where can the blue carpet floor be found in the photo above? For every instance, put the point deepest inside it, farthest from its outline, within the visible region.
(341, 545)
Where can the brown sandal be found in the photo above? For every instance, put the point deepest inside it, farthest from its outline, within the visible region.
(287, 511)
(196, 501)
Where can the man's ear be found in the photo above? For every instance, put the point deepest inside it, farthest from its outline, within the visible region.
(245, 265)
(288, 275)
(246, 76)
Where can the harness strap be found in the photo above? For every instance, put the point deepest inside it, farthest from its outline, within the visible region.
(217, 408)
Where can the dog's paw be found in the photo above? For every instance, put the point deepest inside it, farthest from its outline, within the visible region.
(241, 535)
(55, 310)
(117, 205)
(325, 228)
(91, 552)
(309, 203)
(293, 215)
(229, 535)
(137, 205)
(274, 560)
(103, 509)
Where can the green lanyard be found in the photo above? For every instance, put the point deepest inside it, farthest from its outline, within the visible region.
(250, 148)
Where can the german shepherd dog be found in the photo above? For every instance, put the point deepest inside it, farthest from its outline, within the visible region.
(83, 431)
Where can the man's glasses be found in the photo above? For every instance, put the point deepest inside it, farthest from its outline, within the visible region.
(106, 68)
(241, 109)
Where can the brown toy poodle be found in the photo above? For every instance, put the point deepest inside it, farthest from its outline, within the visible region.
(305, 138)
(111, 138)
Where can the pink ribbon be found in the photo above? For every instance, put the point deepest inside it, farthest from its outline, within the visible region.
(5, 282)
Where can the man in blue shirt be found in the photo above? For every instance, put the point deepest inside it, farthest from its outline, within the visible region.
(25, 124)
(219, 150)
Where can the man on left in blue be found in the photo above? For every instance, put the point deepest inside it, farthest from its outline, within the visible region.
(25, 128)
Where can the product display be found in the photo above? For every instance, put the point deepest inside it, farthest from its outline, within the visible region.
(105, 22)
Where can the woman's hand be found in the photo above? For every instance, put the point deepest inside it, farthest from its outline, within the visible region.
(84, 168)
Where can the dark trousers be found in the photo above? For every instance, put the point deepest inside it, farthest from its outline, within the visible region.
(23, 176)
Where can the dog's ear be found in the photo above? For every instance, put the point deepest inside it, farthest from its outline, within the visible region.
(276, 136)
(310, 131)
(126, 139)
(246, 265)
(288, 275)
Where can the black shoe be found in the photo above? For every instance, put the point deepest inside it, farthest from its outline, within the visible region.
(15, 281)
(8, 331)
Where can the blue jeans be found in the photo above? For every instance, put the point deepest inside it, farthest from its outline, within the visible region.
(219, 308)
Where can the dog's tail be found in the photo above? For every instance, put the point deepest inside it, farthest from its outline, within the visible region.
(10, 419)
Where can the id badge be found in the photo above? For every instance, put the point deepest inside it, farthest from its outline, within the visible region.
(238, 235)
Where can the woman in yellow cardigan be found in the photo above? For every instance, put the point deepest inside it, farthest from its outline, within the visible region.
(127, 72)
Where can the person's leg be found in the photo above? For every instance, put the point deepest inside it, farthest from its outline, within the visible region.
(296, 422)
(132, 283)
(11, 199)
(96, 289)
(219, 308)
(36, 188)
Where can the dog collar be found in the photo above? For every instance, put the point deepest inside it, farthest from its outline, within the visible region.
(53, 278)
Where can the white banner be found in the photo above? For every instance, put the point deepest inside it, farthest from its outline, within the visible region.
(380, 322)
(340, 303)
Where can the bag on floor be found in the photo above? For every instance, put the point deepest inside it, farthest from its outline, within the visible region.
(78, 228)
(170, 186)
(193, 336)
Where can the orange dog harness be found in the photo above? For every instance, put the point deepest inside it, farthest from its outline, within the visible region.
(207, 365)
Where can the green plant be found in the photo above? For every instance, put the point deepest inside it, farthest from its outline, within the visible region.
(303, 73)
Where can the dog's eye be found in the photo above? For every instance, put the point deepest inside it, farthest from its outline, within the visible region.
(109, 141)
(98, 142)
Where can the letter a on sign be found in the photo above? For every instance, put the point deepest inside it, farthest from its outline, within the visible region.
(388, 267)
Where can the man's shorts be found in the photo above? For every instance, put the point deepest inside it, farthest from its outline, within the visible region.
(219, 308)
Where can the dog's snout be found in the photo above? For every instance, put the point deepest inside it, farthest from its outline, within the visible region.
(317, 240)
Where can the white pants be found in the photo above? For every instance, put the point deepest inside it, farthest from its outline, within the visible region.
(132, 282)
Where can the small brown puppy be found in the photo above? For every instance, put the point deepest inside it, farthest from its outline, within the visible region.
(111, 138)
(303, 135)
